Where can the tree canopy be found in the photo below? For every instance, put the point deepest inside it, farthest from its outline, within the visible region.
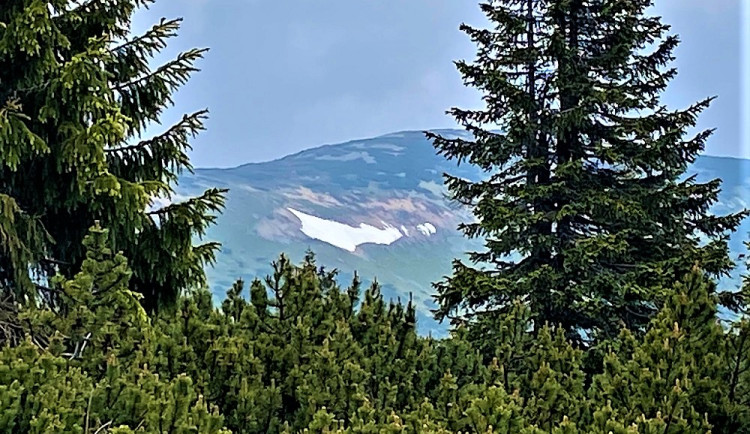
(78, 92)
(587, 210)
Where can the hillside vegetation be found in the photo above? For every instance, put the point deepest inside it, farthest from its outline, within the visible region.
(606, 321)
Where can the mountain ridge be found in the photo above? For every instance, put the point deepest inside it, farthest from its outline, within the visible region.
(363, 191)
(437, 130)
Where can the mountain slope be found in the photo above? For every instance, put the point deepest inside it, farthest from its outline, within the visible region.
(376, 206)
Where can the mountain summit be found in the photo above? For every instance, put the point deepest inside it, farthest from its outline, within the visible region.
(376, 206)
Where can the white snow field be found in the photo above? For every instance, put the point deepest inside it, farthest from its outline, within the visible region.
(427, 228)
(344, 236)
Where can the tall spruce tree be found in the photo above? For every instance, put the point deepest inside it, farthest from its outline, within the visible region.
(585, 207)
(77, 92)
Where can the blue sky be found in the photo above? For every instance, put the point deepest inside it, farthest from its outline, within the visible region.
(285, 75)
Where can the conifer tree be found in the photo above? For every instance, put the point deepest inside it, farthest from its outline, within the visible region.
(96, 316)
(738, 363)
(585, 209)
(77, 92)
(96, 362)
(83, 365)
(678, 372)
(738, 376)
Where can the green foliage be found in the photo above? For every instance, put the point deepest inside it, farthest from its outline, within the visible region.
(84, 364)
(95, 311)
(681, 361)
(77, 91)
(584, 209)
(306, 355)
(82, 259)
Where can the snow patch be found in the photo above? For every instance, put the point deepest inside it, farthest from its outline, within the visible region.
(344, 236)
(386, 146)
(426, 228)
(404, 230)
(350, 156)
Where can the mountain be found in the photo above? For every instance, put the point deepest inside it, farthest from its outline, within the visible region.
(376, 206)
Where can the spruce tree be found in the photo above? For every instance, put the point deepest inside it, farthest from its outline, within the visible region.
(77, 92)
(678, 370)
(585, 209)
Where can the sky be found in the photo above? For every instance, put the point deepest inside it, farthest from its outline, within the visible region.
(285, 75)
